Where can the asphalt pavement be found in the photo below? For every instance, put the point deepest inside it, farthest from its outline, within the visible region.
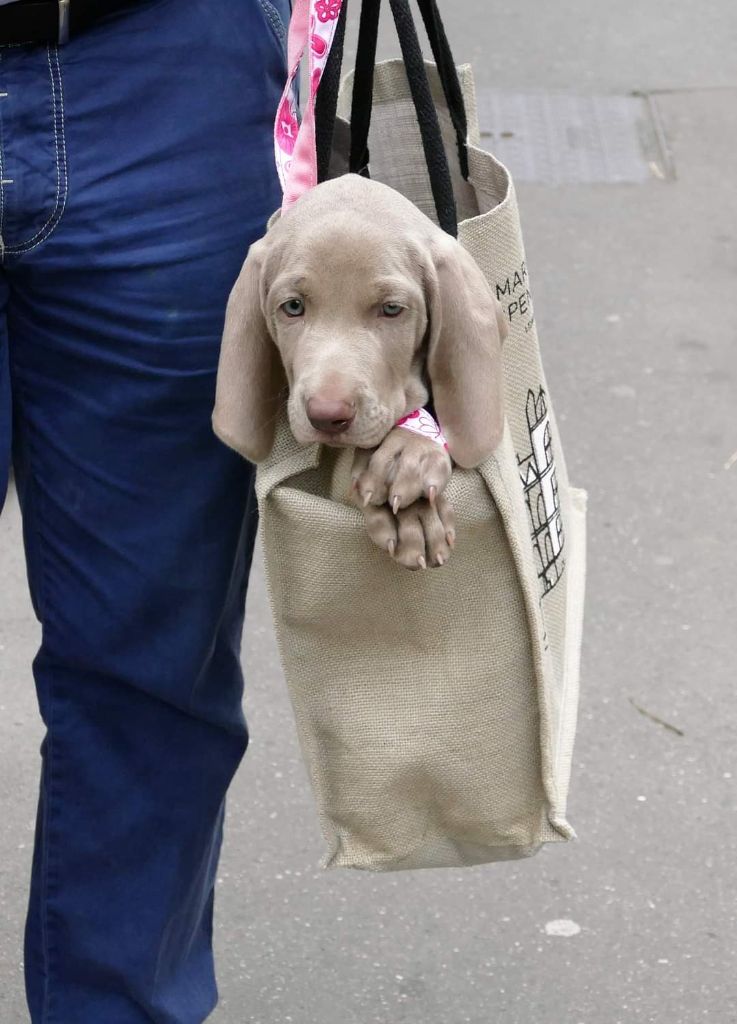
(635, 288)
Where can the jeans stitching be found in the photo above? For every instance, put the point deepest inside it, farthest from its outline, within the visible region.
(62, 179)
(274, 19)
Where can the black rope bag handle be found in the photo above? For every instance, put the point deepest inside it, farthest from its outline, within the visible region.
(432, 143)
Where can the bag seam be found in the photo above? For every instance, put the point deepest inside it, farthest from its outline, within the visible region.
(538, 660)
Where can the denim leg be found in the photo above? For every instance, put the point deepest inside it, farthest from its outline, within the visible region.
(144, 152)
(5, 395)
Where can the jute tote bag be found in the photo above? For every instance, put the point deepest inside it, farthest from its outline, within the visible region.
(435, 710)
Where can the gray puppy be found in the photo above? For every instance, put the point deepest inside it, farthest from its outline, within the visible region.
(352, 302)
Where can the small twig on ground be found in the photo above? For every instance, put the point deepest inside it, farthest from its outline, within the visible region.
(658, 721)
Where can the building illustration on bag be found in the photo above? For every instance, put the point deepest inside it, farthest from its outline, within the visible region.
(537, 471)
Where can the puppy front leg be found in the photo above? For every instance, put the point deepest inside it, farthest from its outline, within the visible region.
(404, 468)
(399, 488)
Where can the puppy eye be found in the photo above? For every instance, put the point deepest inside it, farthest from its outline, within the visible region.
(293, 307)
(391, 309)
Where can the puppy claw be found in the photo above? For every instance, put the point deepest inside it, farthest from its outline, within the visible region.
(439, 560)
(421, 562)
(367, 498)
(432, 494)
(451, 539)
(396, 501)
(391, 547)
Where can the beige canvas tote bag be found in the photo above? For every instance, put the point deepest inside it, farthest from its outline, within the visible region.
(435, 710)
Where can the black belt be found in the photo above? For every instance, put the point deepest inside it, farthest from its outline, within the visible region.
(51, 21)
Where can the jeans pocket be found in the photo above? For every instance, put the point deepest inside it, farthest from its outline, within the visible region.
(33, 152)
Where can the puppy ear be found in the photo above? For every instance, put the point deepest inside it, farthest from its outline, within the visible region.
(251, 383)
(464, 359)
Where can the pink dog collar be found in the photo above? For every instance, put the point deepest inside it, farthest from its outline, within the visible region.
(421, 422)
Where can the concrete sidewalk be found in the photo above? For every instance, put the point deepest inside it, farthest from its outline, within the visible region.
(635, 289)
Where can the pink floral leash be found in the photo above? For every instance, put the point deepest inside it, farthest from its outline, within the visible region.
(312, 28)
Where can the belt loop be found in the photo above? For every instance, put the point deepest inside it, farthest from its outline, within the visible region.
(63, 21)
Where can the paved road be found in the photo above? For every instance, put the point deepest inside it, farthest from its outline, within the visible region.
(635, 296)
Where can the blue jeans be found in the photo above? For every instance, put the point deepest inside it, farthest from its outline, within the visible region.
(137, 167)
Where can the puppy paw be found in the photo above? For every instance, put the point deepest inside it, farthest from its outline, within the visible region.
(403, 469)
(420, 536)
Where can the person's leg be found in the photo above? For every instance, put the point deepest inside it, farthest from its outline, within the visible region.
(144, 149)
(5, 399)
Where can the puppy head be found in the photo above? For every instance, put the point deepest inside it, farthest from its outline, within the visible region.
(343, 310)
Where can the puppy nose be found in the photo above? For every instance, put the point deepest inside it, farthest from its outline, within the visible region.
(330, 416)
